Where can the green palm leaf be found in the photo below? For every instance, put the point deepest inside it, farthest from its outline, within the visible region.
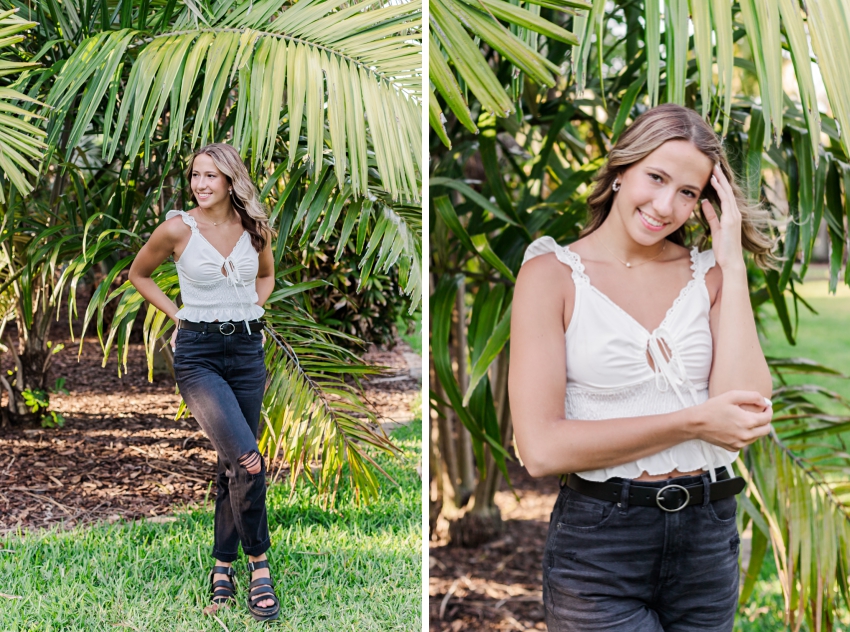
(454, 24)
(21, 142)
(336, 66)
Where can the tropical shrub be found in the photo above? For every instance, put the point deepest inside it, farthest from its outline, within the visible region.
(302, 89)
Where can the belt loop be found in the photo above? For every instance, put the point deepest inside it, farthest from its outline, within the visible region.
(206, 324)
(706, 489)
(624, 496)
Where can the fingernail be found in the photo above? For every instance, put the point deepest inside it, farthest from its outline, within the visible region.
(768, 403)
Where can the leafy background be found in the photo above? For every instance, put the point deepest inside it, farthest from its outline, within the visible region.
(525, 101)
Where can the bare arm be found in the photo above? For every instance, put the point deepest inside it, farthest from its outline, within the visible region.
(738, 361)
(158, 248)
(265, 275)
(550, 444)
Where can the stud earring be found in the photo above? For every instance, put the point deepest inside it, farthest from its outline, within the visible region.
(616, 185)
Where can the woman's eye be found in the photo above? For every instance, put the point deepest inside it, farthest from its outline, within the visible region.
(655, 177)
(690, 194)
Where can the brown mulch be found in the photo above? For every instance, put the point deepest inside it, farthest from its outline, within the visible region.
(497, 586)
(120, 453)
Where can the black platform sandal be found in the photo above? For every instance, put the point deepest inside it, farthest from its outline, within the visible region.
(259, 590)
(223, 591)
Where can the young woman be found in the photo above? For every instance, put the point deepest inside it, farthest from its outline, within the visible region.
(222, 249)
(636, 371)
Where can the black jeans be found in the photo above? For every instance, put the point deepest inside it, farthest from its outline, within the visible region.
(617, 568)
(223, 379)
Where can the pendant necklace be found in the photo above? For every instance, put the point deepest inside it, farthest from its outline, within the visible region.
(629, 265)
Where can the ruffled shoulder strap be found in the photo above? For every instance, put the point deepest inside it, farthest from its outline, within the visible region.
(545, 245)
(187, 219)
(701, 262)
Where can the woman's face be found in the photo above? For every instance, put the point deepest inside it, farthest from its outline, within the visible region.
(658, 194)
(209, 185)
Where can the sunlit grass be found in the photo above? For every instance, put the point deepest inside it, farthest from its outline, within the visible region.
(823, 337)
(350, 568)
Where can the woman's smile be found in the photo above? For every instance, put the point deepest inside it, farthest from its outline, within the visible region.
(651, 223)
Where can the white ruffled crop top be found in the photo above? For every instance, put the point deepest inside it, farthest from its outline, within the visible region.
(608, 375)
(208, 294)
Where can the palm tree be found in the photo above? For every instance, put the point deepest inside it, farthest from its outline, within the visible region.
(527, 174)
(321, 99)
(20, 141)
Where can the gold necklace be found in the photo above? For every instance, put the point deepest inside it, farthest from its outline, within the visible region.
(629, 265)
(215, 223)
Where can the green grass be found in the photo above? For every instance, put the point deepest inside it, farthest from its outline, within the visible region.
(824, 337)
(352, 568)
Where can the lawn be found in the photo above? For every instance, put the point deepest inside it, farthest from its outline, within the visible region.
(349, 568)
(823, 337)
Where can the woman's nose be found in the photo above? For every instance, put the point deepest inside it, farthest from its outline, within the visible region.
(663, 201)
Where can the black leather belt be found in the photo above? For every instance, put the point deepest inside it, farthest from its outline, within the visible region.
(226, 328)
(671, 498)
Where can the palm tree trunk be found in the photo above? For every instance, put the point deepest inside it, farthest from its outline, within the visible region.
(447, 445)
(466, 460)
(483, 522)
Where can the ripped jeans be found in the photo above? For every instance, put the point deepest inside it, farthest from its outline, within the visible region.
(222, 379)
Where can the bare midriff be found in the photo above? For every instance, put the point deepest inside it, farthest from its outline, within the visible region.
(660, 477)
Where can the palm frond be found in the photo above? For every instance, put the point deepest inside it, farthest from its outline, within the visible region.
(21, 142)
(355, 70)
(315, 417)
(808, 528)
(454, 24)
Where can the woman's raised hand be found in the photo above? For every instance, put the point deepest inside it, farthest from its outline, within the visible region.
(725, 230)
(734, 419)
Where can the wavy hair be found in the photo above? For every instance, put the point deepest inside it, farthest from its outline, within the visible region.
(647, 133)
(244, 198)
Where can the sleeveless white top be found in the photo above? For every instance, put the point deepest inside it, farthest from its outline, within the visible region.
(608, 375)
(208, 294)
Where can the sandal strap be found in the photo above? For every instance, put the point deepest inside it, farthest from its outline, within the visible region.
(224, 570)
(260, 582)
(223, 583)
(252, 566)
(255, 599)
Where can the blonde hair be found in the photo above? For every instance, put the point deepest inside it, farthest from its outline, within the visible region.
(649, 131)
(244, 198)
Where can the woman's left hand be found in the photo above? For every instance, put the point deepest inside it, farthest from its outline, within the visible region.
(725, 230)
(263, 333)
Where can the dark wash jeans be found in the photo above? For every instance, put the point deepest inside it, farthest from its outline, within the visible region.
(611, 567)
(223, 379)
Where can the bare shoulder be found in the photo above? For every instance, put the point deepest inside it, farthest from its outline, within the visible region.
(543, 272)
(544, 293)
(171, 230)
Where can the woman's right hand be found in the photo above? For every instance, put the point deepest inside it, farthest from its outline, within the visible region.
(734, 419)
